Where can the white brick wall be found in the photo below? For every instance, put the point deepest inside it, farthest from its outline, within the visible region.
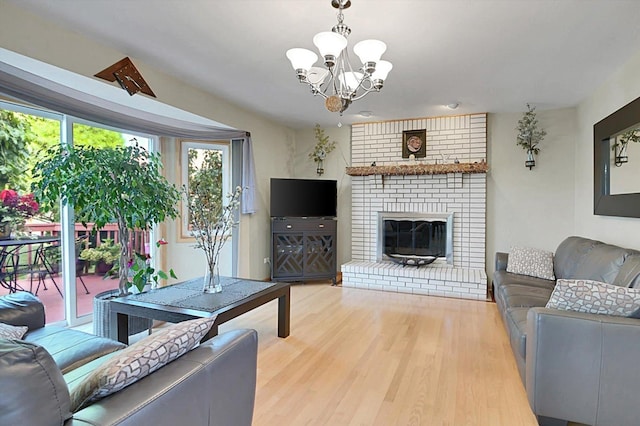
(459, 137)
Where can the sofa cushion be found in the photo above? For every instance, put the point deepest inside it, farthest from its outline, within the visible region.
(22, 308)
(517, 328)
(11, 331)
(602, 263)
(72, 348)
(569, 253)
(523, 296)
(595, 298)
(532, 262)
(33, 389)
(139, 360)
(501, 278)
(629, 275)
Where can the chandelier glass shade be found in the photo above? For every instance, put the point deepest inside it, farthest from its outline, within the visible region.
(337, 82)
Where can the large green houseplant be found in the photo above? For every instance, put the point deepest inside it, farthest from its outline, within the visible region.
(122, 185)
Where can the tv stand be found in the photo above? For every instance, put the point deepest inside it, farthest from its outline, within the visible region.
(303, 249)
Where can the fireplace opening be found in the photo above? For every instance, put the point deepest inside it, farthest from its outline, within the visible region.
(415, 239)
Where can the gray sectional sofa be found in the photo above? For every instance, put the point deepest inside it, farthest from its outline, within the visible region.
(213, 384)
(576, 367)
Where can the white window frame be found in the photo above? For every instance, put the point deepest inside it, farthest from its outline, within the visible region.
(184, 235)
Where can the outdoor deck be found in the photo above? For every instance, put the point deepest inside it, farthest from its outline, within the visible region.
(54, 304)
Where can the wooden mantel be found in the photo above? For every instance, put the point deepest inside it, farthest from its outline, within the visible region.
(418, 169)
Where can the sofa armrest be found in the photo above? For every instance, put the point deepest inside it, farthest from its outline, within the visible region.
(501, 261)
(213, 385)
(582, 367)
(22, 308)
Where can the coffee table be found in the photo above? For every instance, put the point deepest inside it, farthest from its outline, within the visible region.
(185, 301)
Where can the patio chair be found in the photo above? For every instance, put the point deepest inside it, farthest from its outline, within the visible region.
(46, 262)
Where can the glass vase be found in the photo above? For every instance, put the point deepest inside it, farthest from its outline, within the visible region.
(212, 282)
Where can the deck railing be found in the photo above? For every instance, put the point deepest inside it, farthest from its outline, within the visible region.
(139, 239)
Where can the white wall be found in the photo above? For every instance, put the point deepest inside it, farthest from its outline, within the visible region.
(29, 35)
(334, 168)
(622, 88)
(530, 207)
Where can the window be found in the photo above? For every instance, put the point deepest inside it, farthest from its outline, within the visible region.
(195, 158)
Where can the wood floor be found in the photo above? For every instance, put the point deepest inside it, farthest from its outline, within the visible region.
(362, 357)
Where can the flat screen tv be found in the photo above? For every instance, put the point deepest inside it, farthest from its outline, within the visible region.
(304, 198)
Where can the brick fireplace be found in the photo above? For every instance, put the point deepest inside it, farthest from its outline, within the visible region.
(450, 181)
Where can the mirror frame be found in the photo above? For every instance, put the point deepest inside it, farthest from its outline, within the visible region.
(605, 204)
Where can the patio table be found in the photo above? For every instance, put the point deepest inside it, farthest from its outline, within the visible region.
(10, 267)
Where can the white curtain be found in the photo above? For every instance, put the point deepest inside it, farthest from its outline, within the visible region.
(248, 178)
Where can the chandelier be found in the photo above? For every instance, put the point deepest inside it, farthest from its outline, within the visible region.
(338, 83)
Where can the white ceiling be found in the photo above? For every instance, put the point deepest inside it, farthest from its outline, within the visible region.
(488, 55)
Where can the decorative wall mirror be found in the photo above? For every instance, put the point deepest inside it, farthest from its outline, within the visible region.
(616, 184)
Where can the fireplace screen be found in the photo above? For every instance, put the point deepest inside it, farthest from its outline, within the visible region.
(415, 238)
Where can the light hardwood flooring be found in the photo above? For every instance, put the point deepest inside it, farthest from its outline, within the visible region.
(362, 357)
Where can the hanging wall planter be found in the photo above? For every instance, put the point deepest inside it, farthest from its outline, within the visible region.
(321, 150)
(620, 143)
(529, 135)
(531, 161)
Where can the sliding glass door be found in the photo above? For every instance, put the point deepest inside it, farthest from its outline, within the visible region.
(50, 254)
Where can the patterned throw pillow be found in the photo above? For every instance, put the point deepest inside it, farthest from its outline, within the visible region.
(12, 332)
(532, 262)
(139, 360)
(594, 297)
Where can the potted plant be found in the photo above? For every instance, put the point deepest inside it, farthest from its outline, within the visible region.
(14, 210)
(104, 256)
(122, 185)
(529, 135)
(144, 274)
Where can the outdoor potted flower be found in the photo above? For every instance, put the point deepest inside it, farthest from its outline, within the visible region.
(15, 209)
(122, 185)
(104, 256)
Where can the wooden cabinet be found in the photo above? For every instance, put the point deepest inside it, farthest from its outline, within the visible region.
(303, 249)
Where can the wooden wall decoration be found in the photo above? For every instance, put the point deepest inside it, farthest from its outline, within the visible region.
(128, 76)
(414, 143)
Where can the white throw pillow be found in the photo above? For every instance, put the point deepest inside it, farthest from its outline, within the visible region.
(532, 262)
(594, 297)
(12, 332)
(139, 360)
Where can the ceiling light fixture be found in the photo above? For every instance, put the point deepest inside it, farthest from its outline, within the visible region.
(337, 83)
(453, 105)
